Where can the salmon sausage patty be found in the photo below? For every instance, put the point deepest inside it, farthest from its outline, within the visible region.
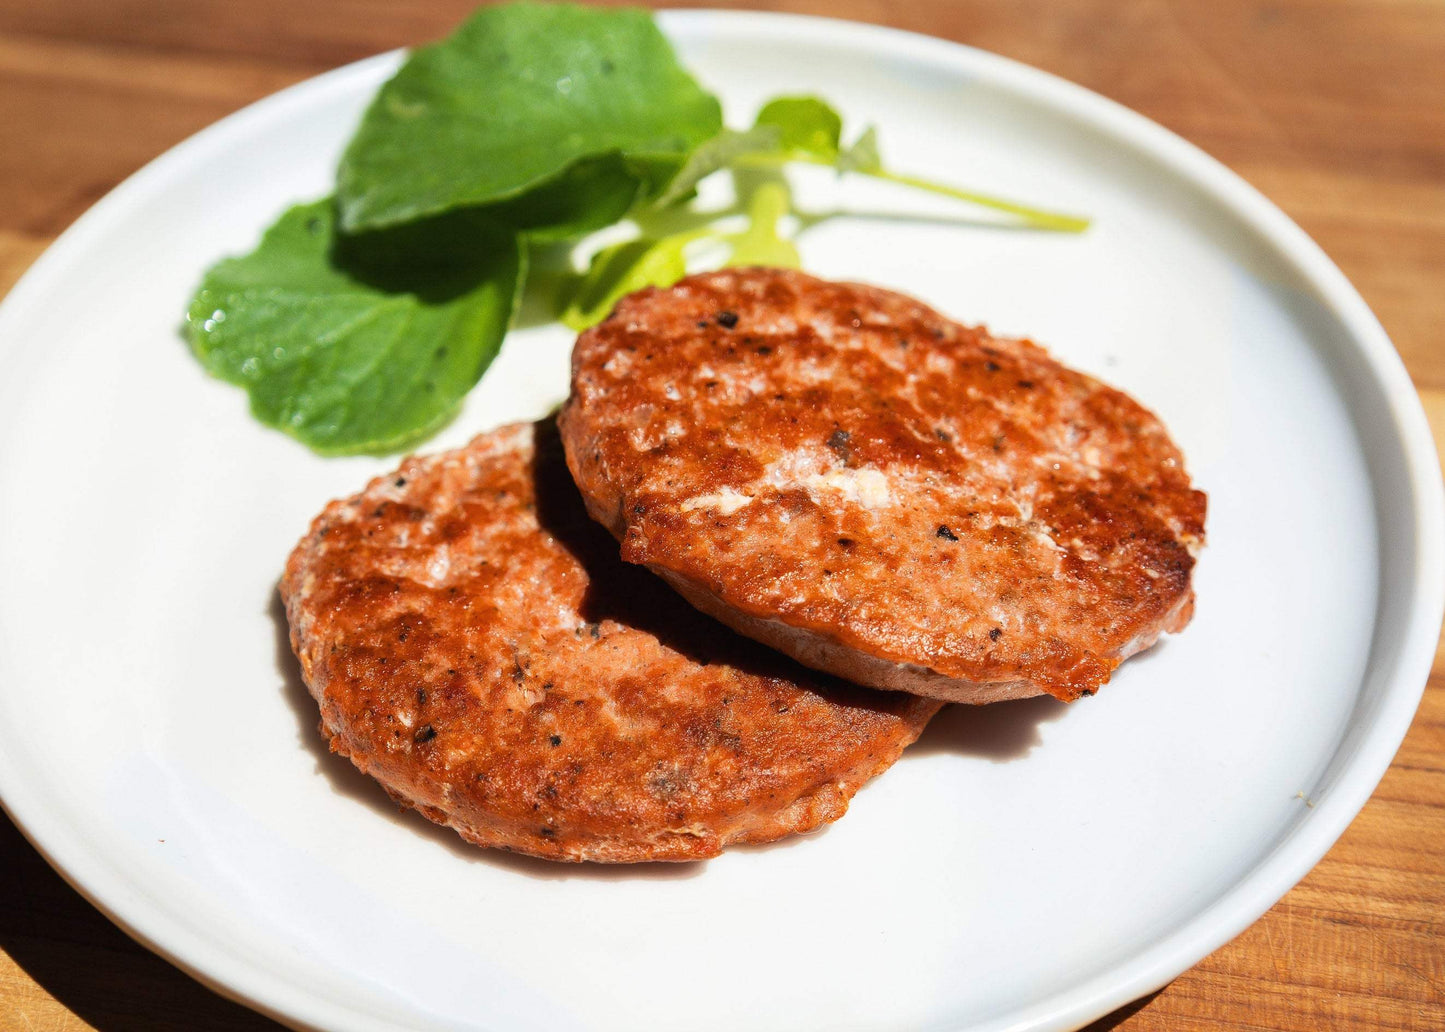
(476, 645)
(844, 474)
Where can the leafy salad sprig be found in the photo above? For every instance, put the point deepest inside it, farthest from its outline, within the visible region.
(362, 320)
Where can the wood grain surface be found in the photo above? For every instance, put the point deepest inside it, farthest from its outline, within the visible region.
(1334, 108)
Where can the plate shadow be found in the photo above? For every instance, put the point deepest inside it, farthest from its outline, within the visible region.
(74, 953)
(1000, 731)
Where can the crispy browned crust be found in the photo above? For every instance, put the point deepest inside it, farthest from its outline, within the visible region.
(476, 645)
(846, 475)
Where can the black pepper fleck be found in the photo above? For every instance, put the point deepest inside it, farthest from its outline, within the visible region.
(995, 634)
(946, 534)
(425, 733)
(556, 740)
(727, 320)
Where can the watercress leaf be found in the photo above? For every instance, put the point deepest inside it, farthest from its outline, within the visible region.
(619, 270)
(718, 153)
(806, 124)
(655, 170)
(512, 99)
(593, 193)
(862, 155)
(358, 344)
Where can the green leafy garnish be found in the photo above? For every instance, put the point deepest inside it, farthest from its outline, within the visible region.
(805, 126)
(358, 324)
(723, 150)
(661, 260)
(787, 130)
(590, 195)
(811, 133)
(762, 243)
(359, 345)
(863, 157)
(512, 99)
(619, 270)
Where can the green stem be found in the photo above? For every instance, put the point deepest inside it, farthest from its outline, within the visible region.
(1060, 221)
(1037, 217)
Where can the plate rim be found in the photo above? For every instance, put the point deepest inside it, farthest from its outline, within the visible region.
(1295, 853)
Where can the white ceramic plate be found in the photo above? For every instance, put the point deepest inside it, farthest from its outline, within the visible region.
(1025, 866)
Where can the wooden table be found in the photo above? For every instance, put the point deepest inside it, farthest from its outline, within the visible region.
(1334, 108)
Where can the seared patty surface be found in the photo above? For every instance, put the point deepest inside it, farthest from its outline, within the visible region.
(841, 472)
(476, 645)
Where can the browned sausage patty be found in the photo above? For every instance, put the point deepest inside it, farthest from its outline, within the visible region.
(476, 645)
(846, 475)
